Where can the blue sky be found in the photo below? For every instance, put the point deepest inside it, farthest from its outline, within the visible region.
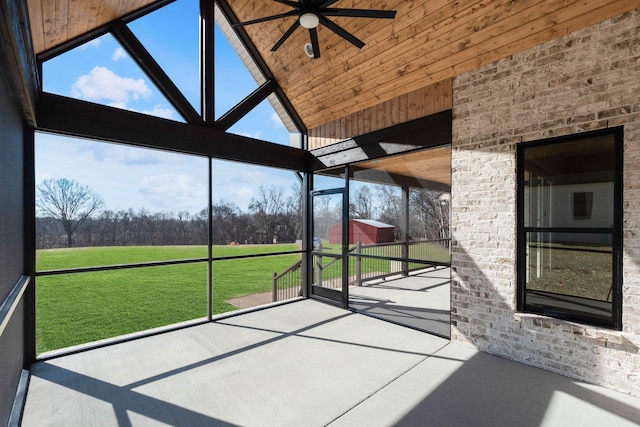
(101, 71)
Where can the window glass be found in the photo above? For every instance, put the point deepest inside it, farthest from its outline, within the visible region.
(251, 282)
(570, 184)
(255, 208)
(382, 205)
(233, 81)
(568, 212)
(236, 77)
(176, 51)
(570, 272)
(265, 124)
(150, 205)
(73, 309)
(327, 181)
(101, 71)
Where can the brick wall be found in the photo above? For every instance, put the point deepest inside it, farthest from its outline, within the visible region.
(583, 81)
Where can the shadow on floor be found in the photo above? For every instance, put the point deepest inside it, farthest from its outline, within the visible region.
(420, 301)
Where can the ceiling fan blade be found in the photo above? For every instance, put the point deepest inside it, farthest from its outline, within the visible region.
(326, 4)
(360, 13)
(342, 32)
(294, 4)
(285, 36)
(267, 18)
(314, 42)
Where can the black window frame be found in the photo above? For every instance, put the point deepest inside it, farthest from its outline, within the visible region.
(616, 231)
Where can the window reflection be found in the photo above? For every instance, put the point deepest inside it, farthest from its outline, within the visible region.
(568, 211)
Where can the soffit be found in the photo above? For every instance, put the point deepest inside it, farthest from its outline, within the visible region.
(427, 169)
(432, 165)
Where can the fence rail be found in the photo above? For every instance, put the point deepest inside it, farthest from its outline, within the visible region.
(387, 259)
(371, 262)
(288, 284)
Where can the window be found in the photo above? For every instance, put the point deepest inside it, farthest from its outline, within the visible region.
(569, 227)
(582, 203)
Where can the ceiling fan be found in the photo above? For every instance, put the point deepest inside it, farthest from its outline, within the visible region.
(311, 13)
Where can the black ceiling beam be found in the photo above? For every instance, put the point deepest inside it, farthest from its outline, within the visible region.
(152, 69)
(73, 117)
(425, 132)
(207, 61)
(257, 58)
(246, 105)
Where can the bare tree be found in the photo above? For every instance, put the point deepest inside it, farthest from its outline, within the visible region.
(327, 211)
(291, 229)
(431, 209)
(390, 201)
(362, 205)
(67, 201)
(184, 219)
(226, 221)
(266, 208)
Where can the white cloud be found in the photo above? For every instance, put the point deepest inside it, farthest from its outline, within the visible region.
(92, 44)
(241, 196)
(239, 183)
(119, 104)
(173, 190)
(102, 84)
(160, 111)
(129, 156)
(119, 54)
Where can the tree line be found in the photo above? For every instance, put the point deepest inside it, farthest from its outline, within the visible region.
(70, 214)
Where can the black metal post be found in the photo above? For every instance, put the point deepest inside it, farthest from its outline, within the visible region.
(345, 239)
(210, 244)
(207, 72)
(405, 231)
(29, 227)
(307, 234)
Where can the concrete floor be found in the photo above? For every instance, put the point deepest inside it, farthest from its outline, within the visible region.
(421, 300)
(308, 364)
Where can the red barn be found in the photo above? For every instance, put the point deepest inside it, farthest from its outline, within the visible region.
(366, 231)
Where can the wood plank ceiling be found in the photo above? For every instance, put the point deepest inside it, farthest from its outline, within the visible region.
(427, 42)
(413, 165)
(54, 22)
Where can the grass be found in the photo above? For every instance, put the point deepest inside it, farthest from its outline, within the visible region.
(578, 270)
(54, 259)
(84, 307)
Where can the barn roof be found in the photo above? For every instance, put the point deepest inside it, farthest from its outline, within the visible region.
(374, 223)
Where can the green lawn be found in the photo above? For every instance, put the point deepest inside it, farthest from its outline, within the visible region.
(54, 259)
(578, 270)
(83, 307)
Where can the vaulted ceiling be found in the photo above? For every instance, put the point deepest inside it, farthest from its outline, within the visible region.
(54, 22)
(427, 42)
